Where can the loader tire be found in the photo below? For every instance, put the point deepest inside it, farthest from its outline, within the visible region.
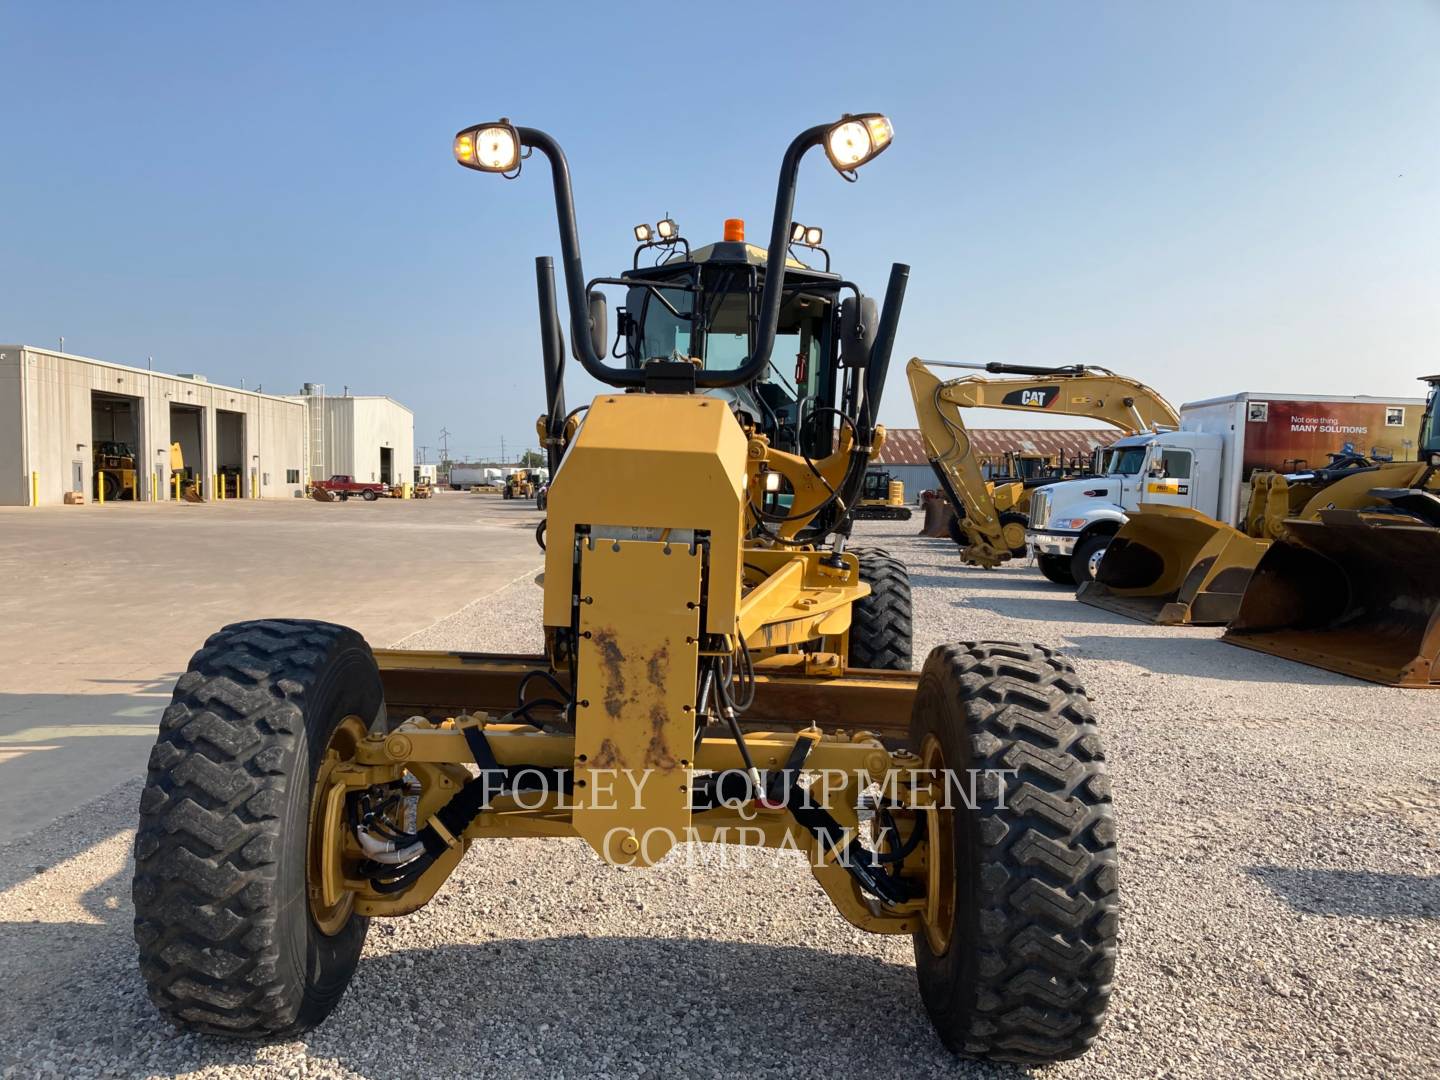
(882, 624)
(227, 940)
(1028, 934)
(1056, 568)
(1012, 527)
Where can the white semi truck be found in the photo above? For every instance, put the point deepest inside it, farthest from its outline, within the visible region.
(1206, 465)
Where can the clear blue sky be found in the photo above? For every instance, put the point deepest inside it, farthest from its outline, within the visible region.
(1213, 197)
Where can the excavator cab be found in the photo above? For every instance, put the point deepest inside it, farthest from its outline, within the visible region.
(1353, 583)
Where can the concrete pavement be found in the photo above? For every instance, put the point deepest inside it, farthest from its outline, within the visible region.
(102, 607)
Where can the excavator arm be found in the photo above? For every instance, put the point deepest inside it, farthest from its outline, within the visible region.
(1075, 390)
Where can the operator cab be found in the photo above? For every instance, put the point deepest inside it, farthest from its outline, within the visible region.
(698, 310)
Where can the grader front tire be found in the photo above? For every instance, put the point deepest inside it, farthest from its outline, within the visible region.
(1017, 958)
(229, 942)
(882, 624)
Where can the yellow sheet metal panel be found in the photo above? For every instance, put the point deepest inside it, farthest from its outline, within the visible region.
(642, 463)
(635, 689)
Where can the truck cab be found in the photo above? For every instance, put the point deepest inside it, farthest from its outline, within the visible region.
(1071, 521)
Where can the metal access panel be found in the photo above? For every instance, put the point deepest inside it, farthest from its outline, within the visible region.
(635, 690)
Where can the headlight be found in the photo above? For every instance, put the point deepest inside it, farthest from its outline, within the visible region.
(489, 147)
(856, 139)
(772, 481)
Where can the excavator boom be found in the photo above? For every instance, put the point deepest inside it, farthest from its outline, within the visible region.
(991, 535)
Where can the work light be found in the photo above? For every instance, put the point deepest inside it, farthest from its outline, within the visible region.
(667, 229)
(489, 147)
(854, 140)
(809, 235)
(643, 234)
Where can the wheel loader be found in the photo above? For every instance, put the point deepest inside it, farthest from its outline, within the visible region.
(114, 468)
(990, 520)
(1353, 584)
(1205, 502)
(720, 667)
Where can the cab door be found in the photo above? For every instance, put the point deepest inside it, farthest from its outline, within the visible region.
(1169, 477)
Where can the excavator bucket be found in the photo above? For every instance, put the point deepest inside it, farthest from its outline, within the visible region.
(1173, 565)
(1354, 592)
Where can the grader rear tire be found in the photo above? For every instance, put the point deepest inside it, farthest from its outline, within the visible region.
(882, 624)
(1016, 958)
(229, 940)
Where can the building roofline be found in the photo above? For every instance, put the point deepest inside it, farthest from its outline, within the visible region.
(148, 371)
(356, 397)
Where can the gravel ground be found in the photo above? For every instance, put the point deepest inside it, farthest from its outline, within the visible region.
(1280, 836)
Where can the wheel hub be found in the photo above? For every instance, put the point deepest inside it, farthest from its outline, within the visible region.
(1096, 557)
(939, 913)
(331, 903)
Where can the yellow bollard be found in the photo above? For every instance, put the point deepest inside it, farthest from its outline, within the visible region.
(100, 488)
(177, 486)
(34, 489)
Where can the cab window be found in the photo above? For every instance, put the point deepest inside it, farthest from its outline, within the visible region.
(1175, 464)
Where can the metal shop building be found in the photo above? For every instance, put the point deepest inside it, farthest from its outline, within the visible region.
(62, 415)
(369, 437)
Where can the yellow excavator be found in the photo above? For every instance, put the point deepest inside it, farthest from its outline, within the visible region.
(1353, 584)
(992, 518)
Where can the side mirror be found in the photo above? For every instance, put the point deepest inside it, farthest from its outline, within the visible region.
(859, 322)
(599, 324)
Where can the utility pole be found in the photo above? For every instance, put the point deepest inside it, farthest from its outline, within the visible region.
(422, 454)
(502, 450)
(444, 446)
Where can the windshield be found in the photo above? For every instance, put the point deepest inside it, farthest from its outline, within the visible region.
(665, 322)
(1125, 460)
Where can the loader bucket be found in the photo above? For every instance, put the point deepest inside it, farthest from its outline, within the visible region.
(939, 518)
(1352, 592)
(1173, 565)
(321, 495)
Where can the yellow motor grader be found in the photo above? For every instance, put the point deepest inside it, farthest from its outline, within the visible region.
(719, 667)
(991, 518)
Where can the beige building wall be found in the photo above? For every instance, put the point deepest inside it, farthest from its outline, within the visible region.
(49, 420)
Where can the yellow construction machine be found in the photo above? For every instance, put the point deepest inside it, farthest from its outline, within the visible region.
(114, 471)
(991, 517)
(1353, 584)
(882, 498)
(1204, 503)
(719, 666)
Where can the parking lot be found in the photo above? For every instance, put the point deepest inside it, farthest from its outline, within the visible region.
(103, 606)
(1279, 832)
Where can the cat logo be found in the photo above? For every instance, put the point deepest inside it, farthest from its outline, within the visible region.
(1041, 397)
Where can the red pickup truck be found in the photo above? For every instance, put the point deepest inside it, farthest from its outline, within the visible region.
(342, 487)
